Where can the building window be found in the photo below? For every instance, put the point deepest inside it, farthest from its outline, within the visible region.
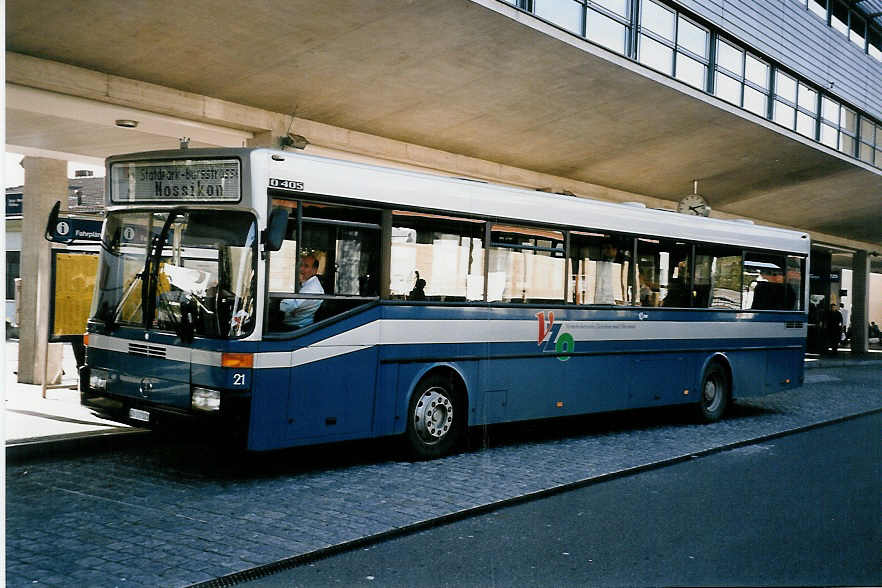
(874, 43)
(564, 13)
(847, 130)
(819, 7)
(839, 17)
(657, 33)
(784, 109)
(692, 53)
(673, 44)
(807, 111)
(606, 24)
(857, 31)
(741, 78)
(870, 142)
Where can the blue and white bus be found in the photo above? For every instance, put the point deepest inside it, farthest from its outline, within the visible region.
(295, 299)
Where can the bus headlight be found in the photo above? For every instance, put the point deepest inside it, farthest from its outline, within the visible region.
(98, 380)
(205, 399)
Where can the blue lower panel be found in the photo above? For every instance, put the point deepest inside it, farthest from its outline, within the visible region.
(269, 426)
(333, 399)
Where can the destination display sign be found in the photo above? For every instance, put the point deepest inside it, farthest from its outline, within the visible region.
(191, 180)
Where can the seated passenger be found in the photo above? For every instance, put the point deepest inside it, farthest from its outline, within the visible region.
(299, 312)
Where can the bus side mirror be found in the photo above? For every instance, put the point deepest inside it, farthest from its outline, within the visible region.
(275, 231)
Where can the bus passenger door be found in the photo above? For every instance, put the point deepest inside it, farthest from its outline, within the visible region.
(334, 397)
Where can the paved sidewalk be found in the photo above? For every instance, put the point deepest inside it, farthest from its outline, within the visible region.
(34, 424)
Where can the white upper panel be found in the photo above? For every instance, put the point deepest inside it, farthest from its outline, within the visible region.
(331, 177)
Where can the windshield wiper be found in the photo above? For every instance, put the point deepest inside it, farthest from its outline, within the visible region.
(117, 310)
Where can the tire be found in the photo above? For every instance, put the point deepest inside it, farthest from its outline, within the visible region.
(715, 393)
(435, 418)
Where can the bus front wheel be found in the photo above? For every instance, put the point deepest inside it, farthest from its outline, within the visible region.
(714, 394)
(435, 419)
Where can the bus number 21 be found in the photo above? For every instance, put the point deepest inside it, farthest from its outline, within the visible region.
(238, 379)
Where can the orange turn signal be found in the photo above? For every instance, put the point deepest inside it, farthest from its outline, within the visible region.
(237, 360)
(86, 339)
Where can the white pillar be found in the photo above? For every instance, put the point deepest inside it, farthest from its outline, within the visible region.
(860, 301)
(45, 183)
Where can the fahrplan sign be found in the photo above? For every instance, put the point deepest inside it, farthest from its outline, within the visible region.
(188, 180)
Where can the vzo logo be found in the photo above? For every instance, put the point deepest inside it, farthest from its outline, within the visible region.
(551, 340)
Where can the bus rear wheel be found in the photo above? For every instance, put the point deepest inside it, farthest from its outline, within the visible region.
(435, 418)
(715, 390)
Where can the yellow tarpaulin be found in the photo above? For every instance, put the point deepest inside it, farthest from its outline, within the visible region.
(74, 283)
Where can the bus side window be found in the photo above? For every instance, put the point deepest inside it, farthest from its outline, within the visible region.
(664, 267)
(717, 281)
(599, 268)
(436, 258)
(764, 283)
(342, 244)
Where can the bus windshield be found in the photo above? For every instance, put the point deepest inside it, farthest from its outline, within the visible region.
(191, 272)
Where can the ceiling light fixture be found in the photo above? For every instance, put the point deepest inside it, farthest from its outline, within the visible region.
(126, 123)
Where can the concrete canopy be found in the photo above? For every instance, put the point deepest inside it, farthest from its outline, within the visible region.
(475, 78)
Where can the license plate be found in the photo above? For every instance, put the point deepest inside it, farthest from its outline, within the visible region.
(139, 415)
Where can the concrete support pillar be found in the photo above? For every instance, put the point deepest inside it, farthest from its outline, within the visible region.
(45, 183)
(860, 301)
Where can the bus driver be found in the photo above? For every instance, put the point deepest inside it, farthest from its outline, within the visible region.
(299, 312)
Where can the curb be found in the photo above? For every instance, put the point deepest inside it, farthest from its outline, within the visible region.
(23, 450)
(294, 561)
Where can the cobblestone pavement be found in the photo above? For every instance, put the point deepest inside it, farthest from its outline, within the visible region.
(173, 513)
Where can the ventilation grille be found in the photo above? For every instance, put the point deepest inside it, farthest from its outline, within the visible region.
(147, 350)
(794, 324)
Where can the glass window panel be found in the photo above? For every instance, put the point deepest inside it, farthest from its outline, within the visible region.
(846, 144)
(436, 258)
(727, 88)
(878, 162)
(830, 110)
(757, 71)
(755, 101)
(692, 37)
(848, 120)
(866, 153)
(564, 13)
(663, 268)
(717, 282)
(785, 86)
(784, 115)
(867, 130)
(874, 45)
(795, 293)
(839, 17)
(857, 30)
(655, 55)
(657, 18)
(599, 269)
(805, 125)
(829, 136)
(763, 283)
(606, 32)
(524, 274)
(808, 98)
(619, 7)
(730, 57)
(819, 7)
(692, 72)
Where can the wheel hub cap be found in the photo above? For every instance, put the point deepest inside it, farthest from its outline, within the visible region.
(433, 416)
